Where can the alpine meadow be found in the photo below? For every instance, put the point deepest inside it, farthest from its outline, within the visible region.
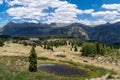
(59, 40)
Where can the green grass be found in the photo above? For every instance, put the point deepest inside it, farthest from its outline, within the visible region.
(7, 73)
(45, 58)
(16, 68)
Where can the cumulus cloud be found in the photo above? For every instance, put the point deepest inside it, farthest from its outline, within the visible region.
(33, 21)
(117, 20)
(111, 6)
(110, 14)
(61, 12)
(106, 14)
(30, 9)
(92, 22)
(1, 1)
(89, 11)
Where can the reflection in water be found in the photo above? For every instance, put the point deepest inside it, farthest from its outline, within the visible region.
(62, 70)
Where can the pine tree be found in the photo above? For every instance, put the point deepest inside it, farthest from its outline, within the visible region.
(51, 48)
(1, 43)
(98, 48)
(70, 49)
(75, 49)
(45, 46)
(33, 60)
(25, 43)
(48, 47)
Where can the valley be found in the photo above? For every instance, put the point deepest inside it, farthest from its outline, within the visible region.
(59, 39)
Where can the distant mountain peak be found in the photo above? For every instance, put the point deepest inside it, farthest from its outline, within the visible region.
(11, 23)
(106, 33)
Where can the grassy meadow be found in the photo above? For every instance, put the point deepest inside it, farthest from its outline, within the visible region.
(14, 63)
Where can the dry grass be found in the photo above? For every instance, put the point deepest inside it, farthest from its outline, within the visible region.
(14, 50)
(21, 50)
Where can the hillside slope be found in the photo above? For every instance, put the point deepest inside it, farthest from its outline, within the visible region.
(106, 33)
(32, 29)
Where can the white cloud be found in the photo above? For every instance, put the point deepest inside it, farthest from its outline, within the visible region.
(92, 22)
(89, 11)
(117, 20)
(33, 21)
(64, 11)
(111, 6)
(111, 13)
(108, 15)
(1, 1)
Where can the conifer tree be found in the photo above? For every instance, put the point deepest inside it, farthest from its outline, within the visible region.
(45, 46)
(98, 48)
(75, 49)
(48, 47)
(33, 60)
(1, 43)
(70, 49)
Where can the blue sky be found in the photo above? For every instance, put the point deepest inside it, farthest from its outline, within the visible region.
(89, 12)
(92, 4)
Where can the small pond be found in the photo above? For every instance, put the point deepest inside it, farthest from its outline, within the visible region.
(62, 70)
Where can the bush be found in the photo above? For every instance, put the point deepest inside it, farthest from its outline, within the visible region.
(1, 43)
(89, 49)
(75, 49)
(110, 76)
(93, 49)
(25, 43)
(61, 56)
(45, 58)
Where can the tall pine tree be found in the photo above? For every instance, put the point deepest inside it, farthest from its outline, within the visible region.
(33, 60)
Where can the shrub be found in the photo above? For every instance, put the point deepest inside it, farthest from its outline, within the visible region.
(61, 56)
(75, 49)
(89, 49)
(110, 76)
(1, 43)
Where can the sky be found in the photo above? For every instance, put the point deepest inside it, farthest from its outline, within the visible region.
(89, 12)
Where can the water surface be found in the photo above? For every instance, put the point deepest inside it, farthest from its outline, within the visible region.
(63, 70)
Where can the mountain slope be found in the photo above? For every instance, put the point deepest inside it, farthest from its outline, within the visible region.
(32, 29)
(106, 33)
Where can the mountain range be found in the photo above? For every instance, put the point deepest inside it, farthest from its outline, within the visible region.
(106, 33)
